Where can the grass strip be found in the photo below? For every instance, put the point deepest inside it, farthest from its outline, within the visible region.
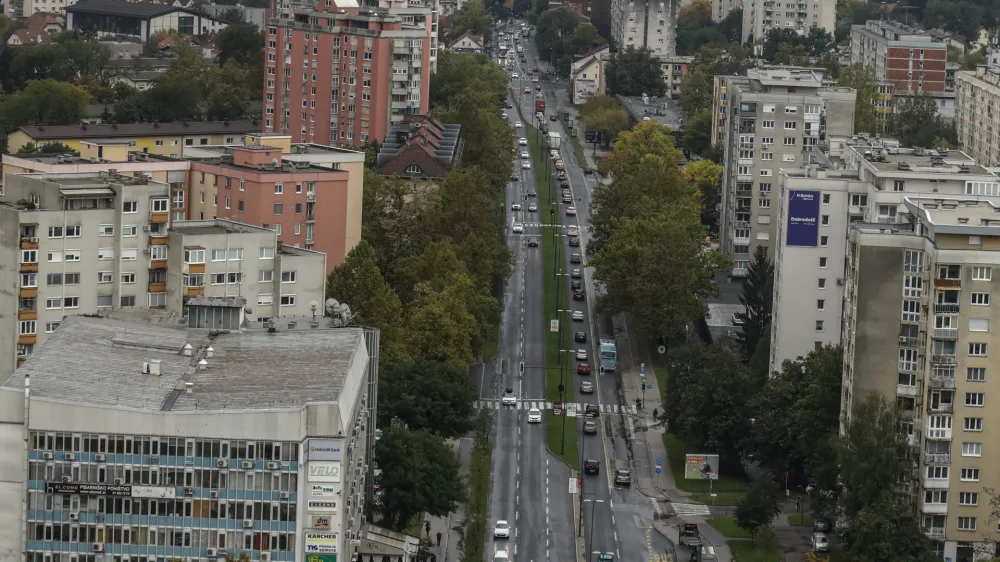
(676, 451)
(728, 527)
(479, 490)
(747, 551)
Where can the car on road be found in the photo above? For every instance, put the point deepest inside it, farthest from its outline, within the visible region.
(564, 184)
(576, 273)
(581, 355)
(579, 295)
(580, 337)
(819, 542)
(592, 410)
(561, 175)
(574, 241)
(532, 242)
(513, 177)
(575, 284)
(583, 368)
(588, 170)
(538, 88)
(553, 118)
(554, 154)
(623, 477)
(573, 231)
(606, 557)
(525, 165)
(567, 200)
(534, 79)
(532, 194)
(571, 211)
(590, 466)
(821, 525)
(522, 141)
(532, 208)
(527, 90)
(503, 114)
(501, 530)
(515, 75)
(578, 316)
(515, 207)
(509, 105)
(508, 398)
(536, 70)
(587, 387)
(517, 228)
(534, 415)
(518, 125)
(590, 427)
(575, 258)
(501, 556)
(560, 165)
(525, 155)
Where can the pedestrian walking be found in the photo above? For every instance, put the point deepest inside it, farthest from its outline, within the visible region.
(654, 413)
(427, 525)
(439, 538)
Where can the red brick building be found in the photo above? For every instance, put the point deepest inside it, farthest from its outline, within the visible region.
(421, 147)
(911, 60)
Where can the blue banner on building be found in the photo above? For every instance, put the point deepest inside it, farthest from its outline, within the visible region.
(803, 218)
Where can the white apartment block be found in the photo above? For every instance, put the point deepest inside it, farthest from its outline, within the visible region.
(645, 23)
(977, 113)
(918, 311)
(721, 8)
(774, 119)
(91, 243)
(761, 16)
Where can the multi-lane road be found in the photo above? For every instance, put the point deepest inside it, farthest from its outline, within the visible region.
(531, 488)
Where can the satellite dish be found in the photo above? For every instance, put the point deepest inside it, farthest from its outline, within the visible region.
(313, 305)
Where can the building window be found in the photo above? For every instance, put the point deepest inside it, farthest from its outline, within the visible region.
(26, 327)
(266, 253)
(973, 424)
(105, 276)
(288, 277)
(819, 325)
(979, 324)
(969, 475)
(74, 231)
(160, 205)
(975, 399)
(980, 299)
(265, 299)
(194, 256)
(128, 278)
(55, 232)
(129, 230)
(106, 230)
(822, 262)
(279, 188)
(72, 255)
(287, 300)
(156, 253)
(977, 350)
(279, 208)
(980, 273)
(413, 169)
(972, 449)
(966, 523)
(265, 276)
(767, 124)
(127, 301)
(194, 280)
(129, 254)
(975, 374)
(791, 125)
(897, 185)
(51, 327)
(53, 303)
(821, 304)
(105, 253)
(130, 207)
(824, 241)
(71, 302)
(157, 299)
(72, 279)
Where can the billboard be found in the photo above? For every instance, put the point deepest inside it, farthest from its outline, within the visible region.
(322, 491)
(321, 543)
(126, 491)
(324, 449)
(324, 471)
(701, 467)
(803, 218)
(322, 505)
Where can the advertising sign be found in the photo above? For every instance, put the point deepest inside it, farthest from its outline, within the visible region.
(322, 491)
(325, 471)
(324, 449)
(321, 543)
(321, 558)
(321, 521)
(701, 467)
(803, 218)
(317, 505)
(110, 490)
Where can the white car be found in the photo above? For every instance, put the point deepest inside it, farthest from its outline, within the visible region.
(522, 141)
(508, 398)
(581, 355)
(572, 231)
(515, 207)
(526, 165)
(534, 79)
(578, 316)
(525, 155)
(503, 114)
(518, 125)
(518, 228)
(534, 415)
(501, 530)
(571, 211)
(515, 75)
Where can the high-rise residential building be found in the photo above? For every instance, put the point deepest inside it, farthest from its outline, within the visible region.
(977, 113)
(645, 23)
(775, 118)
(911, 60)
(819, 204)
(761, 16)
(341, 73)
(917, 329)
(674, 70)
(721, 8)
(149, 439)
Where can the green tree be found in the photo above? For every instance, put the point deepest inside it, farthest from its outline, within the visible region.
(696, 29)
(472, 18)
(757, 510)
(633, 72)
(916, 122)
(441, 327)
(419, 474)
(856, 12)
(732, 26)
(757, 296)
(609, 122)
(241, 42)
(489, 140)
(887, 530)
(358, 283)
(959, 16)
(696, 93)
(460, 72)
(395, 219)
(866, 117)
(706, 176)
(426, 395)
(697, 137)
(793, 55)
(48, 102)
(552, 35)
(584, 38)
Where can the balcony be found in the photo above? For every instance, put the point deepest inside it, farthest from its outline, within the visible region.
(937, 433)
(945, 333)
(942, 408)
(159, 216)
(937, 458)
(27, 339)
(944, 359)
(157, 264)
(933, 507)
(738, 272)
(935, 533)
(29, 267)
(934, 483)
(310, 217)
(906, 390)
(29, 243)
(27, 314)
(946, 307)
(310, 196)
(909, 341)
(947, 283)
(744, 193)
(907, 415)
(744, 177)
(157, 287)
(942, 382)
(28, 292)
(194, 291)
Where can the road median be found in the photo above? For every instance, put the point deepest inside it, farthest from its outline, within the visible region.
(479, 491)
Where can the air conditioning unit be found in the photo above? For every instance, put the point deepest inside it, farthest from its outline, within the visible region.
(47, 455)
(69, 456)
(213, 494)
(212, 552)
(248, 523)
(34, 240)
(99, 457)
(903, 339)
(119, 481)
(74, 516)
(222, 463)
(145, 228)
(840, 281)
(247, 464)
(67, 478)
(284, 495)
(273, 466)
(146, 251)
(265, 557)
(97, 547)
(188, 491)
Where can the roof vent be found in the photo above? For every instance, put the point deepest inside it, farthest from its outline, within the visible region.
(189, 387)
(202, 365)
(210, 352)
(154, 367)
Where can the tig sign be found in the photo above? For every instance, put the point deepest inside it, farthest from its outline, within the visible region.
(324, 471)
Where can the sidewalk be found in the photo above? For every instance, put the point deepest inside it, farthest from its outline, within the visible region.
(452, 527)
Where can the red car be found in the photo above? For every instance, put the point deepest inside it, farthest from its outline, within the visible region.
(582, 368)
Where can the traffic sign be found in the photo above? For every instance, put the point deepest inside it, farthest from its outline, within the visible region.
(554, 325)
(642, 368)
(649, 386)
(659, 461)
(657, 469)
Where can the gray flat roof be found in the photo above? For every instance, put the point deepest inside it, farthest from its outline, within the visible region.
(99, 361)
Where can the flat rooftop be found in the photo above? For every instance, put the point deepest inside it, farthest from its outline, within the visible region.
(956, 215)
(929, 161)
(664, 111)
(216, 226)
(99, 361)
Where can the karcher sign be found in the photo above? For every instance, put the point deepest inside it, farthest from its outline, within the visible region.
(324, 449)
(324, 471)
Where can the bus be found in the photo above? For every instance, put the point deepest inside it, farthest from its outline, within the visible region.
(609, 355)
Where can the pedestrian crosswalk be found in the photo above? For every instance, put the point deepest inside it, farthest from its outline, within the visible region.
(542, 405)
(688, 509)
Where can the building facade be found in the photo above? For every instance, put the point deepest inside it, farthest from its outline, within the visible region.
(674, 70)
(137, 20)
(421, 148)
(173, 442)
(761, 16)
(341, 74)
(911, 60)
(775, 118)
(917, 315)
(587, 74)
(721, 8)
(976, 114)
(645, 23)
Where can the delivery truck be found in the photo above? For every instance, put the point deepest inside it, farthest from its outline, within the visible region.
(555, 139)
(540, 105)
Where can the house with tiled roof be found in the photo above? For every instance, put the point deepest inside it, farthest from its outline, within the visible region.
(420, 148)
(467, 43)
(587, 74)
(38, 29)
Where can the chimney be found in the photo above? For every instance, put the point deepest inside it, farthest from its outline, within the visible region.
(202, 365)
(210, 352)
(187, 350)
(189, 387)
(154, 367)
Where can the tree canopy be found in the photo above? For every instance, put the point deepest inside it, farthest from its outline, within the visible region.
(426, 395)
(606, 115)
(866, 116)
(633, 72)
(757, 296)
(916, 122)
(561, 35)
(472, 18)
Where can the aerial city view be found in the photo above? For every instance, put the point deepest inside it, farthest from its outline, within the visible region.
(499, 280)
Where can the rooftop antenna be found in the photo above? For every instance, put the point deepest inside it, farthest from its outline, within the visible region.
(313, 305)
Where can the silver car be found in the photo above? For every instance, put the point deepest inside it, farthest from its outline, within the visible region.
(581, 355)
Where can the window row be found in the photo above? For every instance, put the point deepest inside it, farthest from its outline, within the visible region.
(188, 507)
(163, 537)
(169, 446)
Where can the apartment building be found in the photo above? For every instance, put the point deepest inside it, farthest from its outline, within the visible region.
(977, 113)
(775, 119)
(341, 74)
(761, 16)
(153, 440)
(865, 183)
(674, 70)
(721, 8)
(917, 315)
(911, 60)
(645, 23)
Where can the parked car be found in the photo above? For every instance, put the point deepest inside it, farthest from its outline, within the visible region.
(821, 525)
(819, 542)
(623, 477)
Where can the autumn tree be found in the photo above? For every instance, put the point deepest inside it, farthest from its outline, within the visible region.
(863, 81)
